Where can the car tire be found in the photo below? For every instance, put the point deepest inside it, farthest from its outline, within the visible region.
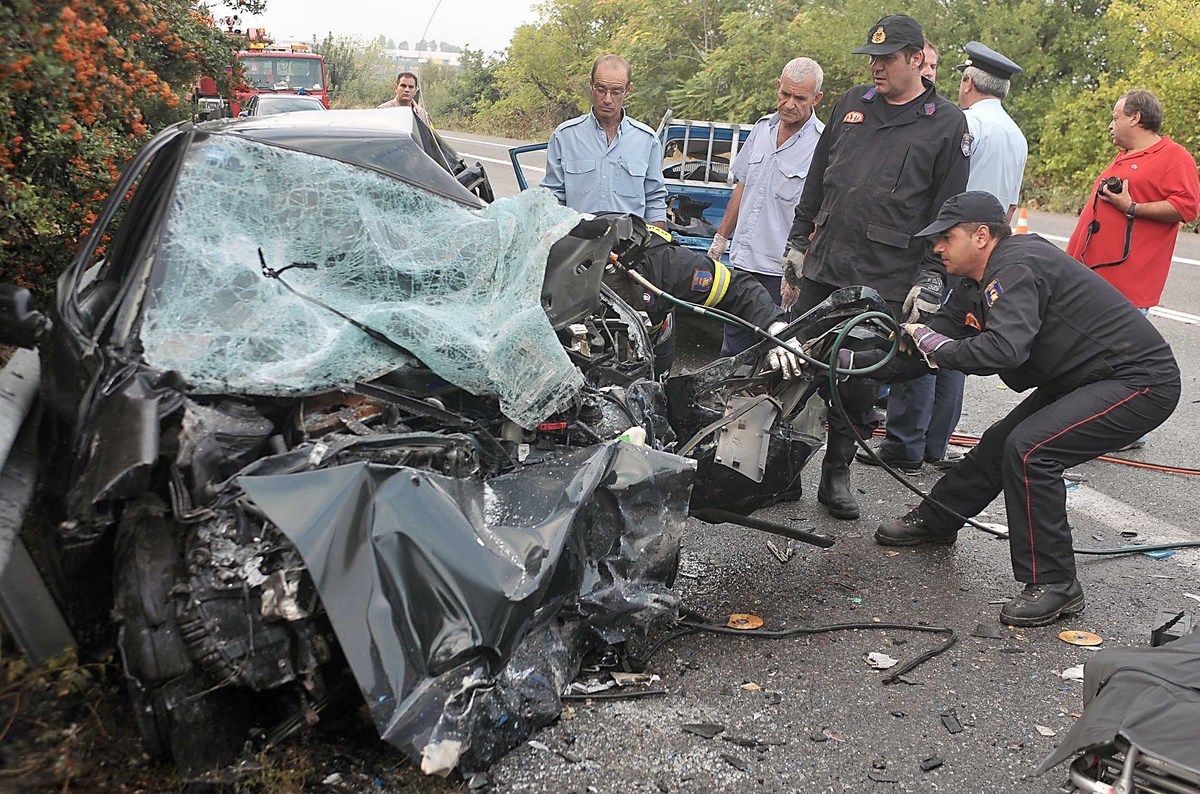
(180, 713)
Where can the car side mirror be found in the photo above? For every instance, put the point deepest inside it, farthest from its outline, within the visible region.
(20, 323)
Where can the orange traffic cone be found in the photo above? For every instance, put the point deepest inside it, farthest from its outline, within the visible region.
(1023, 222)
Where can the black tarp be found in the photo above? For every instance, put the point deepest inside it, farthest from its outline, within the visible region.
(1148, 696)
(463, 606)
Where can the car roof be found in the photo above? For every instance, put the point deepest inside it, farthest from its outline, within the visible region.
(390, 140)
(288, 98)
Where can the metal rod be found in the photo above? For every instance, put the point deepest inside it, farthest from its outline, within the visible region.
(714, 516)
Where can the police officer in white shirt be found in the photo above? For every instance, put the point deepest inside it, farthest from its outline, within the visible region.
(999, 149)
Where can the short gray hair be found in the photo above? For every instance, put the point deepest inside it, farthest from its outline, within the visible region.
(801, 69)
(1139, 100)
(987, 83)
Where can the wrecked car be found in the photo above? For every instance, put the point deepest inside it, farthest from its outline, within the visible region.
(318, 420)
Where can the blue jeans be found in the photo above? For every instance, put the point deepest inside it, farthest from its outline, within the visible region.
(910, 406)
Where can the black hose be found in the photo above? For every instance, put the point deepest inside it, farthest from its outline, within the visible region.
(835, 401)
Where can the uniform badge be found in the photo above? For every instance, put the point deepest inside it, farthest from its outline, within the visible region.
(930, 108)
(702, 280)
(972, 321)
(992, 292)
(968, 144)
(879, 36)
(853, 117)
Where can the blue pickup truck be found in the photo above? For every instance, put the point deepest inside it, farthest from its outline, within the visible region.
(697, 166)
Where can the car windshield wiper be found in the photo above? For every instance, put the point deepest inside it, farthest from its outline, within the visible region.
(374, 333)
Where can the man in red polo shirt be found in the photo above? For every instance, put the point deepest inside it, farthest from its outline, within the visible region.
(1127, 235)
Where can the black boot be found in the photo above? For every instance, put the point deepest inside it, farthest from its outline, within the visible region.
(834, 491)
(911, 530)
(1040, 604)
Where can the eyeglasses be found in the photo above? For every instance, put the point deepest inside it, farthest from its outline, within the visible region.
(615, 93)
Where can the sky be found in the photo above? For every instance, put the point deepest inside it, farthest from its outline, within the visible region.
(480, 24)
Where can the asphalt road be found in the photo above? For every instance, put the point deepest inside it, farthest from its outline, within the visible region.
(824, 719)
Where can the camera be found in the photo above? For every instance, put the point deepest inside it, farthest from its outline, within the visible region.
(1112, 184)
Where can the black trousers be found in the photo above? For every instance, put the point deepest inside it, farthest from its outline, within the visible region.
(858, 394)
(1024, 455)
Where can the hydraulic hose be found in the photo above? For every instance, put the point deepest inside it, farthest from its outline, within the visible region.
(833, 371)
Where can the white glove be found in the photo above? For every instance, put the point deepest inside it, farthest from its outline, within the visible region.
(718, 248)
(781, 358)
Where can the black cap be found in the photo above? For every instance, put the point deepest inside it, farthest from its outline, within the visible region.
(892, 33)
(974, 206)
(983, 57)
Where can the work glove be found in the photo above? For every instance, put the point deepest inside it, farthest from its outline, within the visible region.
(924, 298)
(718, 248)
(793, 264)
(927, 340)
(781, 358)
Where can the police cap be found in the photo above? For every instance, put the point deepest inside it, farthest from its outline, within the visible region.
(983, 57)
(974, 206)
(894, 32)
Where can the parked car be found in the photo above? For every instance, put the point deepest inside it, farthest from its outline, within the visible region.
(314, 412)
(272, 104)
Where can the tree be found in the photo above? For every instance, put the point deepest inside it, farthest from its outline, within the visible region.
(83, 84)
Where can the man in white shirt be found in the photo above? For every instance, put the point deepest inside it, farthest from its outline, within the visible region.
(770, 170)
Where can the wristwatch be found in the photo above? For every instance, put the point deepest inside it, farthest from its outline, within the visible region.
(1129, 212)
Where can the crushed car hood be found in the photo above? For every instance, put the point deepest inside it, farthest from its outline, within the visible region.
(458, 602)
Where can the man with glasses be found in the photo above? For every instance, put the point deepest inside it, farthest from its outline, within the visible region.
(605, 161)
(891, 154)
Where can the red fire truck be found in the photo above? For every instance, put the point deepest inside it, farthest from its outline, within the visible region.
(269, 68)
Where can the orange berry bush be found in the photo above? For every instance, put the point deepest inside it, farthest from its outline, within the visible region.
(83, 84)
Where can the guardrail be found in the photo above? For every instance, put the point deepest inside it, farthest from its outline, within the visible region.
(26, 606)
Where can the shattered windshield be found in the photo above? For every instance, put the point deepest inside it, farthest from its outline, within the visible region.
(459, 288)
(283, 73)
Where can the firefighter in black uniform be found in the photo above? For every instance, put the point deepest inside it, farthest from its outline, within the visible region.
(1103, 376)
(694, 277)
(891, 154)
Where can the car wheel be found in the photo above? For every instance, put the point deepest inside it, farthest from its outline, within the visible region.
(177, 709)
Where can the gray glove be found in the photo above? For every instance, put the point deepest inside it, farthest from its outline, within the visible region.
(718, 248)
(793, 264)
(924, 298)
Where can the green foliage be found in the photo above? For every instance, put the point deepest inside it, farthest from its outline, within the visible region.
(359, 73)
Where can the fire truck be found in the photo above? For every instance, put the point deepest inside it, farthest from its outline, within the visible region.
(268, 68)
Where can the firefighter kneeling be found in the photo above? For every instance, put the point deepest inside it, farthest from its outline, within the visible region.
(1103, 377)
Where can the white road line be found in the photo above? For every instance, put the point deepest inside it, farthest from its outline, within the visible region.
(504, 146)
(467, 156)
(1117, 515)
(1181, 259)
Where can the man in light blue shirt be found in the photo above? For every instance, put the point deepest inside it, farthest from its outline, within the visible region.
(605, 161)
(770, 171)
(999, 149)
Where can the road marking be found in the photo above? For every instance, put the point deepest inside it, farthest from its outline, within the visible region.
(1171, 314)
(466, 155)
(1181, 259)
(475, 140)
(1117, 515)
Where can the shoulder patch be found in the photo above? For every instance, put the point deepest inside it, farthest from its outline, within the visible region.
(870, 93)
(992, 292)
(853, 117)
(972, 321)
(702, 280)
(968, 144)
